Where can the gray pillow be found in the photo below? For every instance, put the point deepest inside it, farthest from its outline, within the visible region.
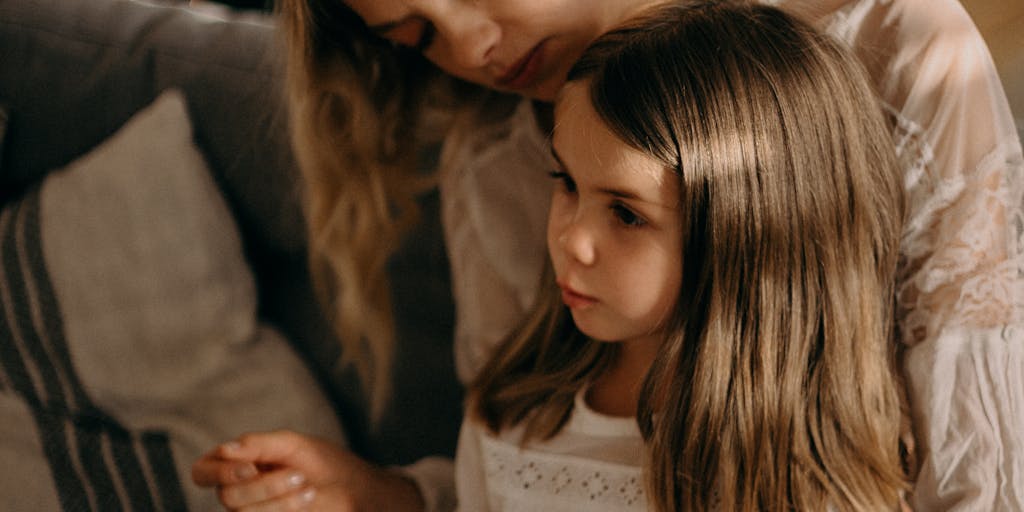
(129, 338)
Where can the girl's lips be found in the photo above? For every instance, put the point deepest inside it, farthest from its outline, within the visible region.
(524, 72)
(574, 299)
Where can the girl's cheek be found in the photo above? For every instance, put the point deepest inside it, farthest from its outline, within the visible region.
(557, 215)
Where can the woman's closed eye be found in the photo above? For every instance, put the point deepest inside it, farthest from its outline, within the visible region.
(627, 216)
(566, 181)
(415, 33)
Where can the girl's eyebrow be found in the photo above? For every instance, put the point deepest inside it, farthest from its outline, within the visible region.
(622, 194)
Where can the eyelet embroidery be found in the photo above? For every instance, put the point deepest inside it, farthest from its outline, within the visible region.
(524, 479)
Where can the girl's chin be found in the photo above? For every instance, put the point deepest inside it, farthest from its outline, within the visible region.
(591, 332)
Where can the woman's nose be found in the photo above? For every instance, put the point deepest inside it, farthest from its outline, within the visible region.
(578, 243)
(473, 35)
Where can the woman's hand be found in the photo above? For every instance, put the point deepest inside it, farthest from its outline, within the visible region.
(288, 471)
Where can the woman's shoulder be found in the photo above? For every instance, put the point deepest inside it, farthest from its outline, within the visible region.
(904, 33)
(926, 59)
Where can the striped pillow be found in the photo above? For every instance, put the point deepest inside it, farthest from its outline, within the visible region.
(129, 341)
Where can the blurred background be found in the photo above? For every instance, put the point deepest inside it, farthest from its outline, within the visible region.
(1001, 23)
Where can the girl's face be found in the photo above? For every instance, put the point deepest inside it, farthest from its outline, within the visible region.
(614, 228)
(519, 46)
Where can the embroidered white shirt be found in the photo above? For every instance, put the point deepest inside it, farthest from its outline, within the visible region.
(592, 465)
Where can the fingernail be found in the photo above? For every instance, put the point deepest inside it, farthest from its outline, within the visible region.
(296, 480)
(308, 495)
(231, 446)
(245, 472)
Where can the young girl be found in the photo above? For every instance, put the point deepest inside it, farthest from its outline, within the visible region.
(723, 239)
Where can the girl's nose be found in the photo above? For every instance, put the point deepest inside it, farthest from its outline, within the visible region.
(578, 244)
(472, 37)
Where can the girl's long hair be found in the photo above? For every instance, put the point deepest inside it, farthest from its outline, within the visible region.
(776, 387)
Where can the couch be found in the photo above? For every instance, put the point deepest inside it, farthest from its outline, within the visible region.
(154, 293)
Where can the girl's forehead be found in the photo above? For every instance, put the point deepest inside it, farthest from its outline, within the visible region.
(599, 160)
(581, 134)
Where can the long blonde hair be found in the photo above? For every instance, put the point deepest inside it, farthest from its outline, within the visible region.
(361, 112)
(775, 387)
(354, 106)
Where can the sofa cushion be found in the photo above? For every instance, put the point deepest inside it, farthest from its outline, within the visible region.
(129, 339)
(103, 60)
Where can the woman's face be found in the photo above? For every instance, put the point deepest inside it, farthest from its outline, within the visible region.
(519, 46)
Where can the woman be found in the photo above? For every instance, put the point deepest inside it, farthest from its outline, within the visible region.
(960, 290)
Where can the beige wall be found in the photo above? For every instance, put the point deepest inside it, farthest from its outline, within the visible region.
(1001, 23)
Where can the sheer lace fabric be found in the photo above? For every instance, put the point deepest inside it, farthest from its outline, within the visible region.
(961, 282)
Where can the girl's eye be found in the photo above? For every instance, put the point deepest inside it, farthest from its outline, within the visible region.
(567, 181)
(627, 216)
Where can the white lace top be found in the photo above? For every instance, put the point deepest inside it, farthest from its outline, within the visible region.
(961, 282)
(592, 465)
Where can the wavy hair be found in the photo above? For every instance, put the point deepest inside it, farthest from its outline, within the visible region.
(775, 387)
(354, 106)
(361, 111)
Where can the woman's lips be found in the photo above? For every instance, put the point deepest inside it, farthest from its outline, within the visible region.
(524, 72)
(574, 299)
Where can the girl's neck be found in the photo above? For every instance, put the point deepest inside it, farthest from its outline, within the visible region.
(617, 391)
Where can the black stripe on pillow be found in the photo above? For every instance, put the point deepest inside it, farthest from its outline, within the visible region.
(161, 460)
(47, 351)
(42, 352)
(92, 426)
(70, 486)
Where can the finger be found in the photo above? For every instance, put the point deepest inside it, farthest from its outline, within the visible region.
(276, 448)
(210, 471)
(270, 486)
(299, 500)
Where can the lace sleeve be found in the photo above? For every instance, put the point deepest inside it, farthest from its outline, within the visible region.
(961, 280)
(960, 307)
